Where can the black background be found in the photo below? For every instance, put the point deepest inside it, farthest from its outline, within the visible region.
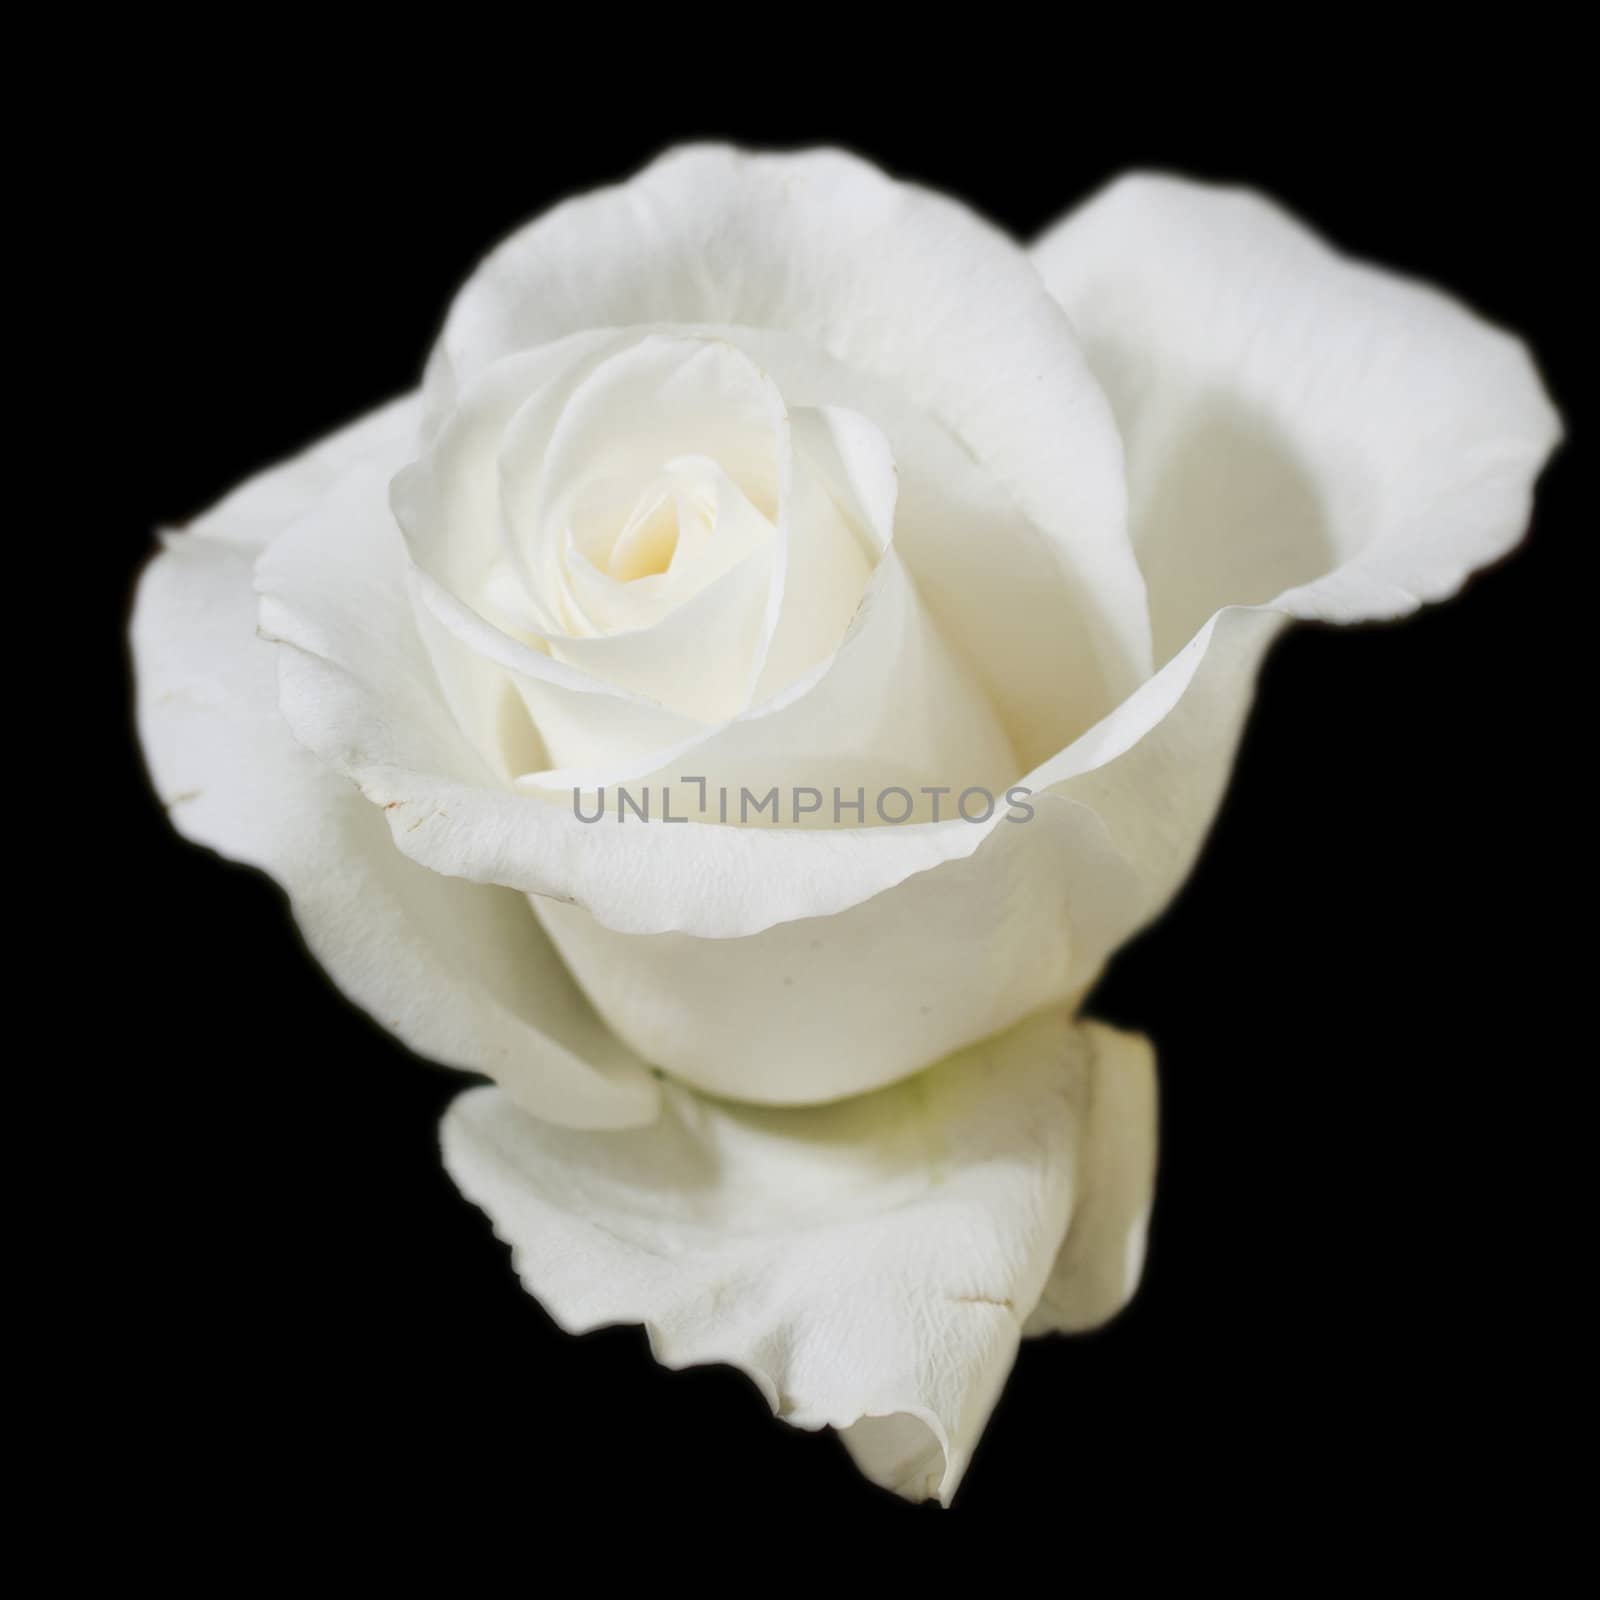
(1365, 1039)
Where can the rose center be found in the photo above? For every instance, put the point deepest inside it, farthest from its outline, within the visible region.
(648, 541)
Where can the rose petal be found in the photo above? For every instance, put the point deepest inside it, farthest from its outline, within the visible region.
(802, 1013)
(835, 530)
(1098, 1267)
(869, 1264)
(460, 972)
(1306, 436)
(1300, 428)
(998, 585)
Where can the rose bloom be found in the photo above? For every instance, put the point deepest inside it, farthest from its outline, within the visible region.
(770, 472)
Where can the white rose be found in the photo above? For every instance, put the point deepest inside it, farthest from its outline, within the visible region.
(768, 472)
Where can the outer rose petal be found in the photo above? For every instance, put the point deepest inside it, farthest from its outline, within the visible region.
(868, 1264)
(460, 972)
(1098, 1266)
(1306, 437)
(802, 1012)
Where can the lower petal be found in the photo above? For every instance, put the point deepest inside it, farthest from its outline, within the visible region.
(800, 1013)
(869, 1264)
(460, 972)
